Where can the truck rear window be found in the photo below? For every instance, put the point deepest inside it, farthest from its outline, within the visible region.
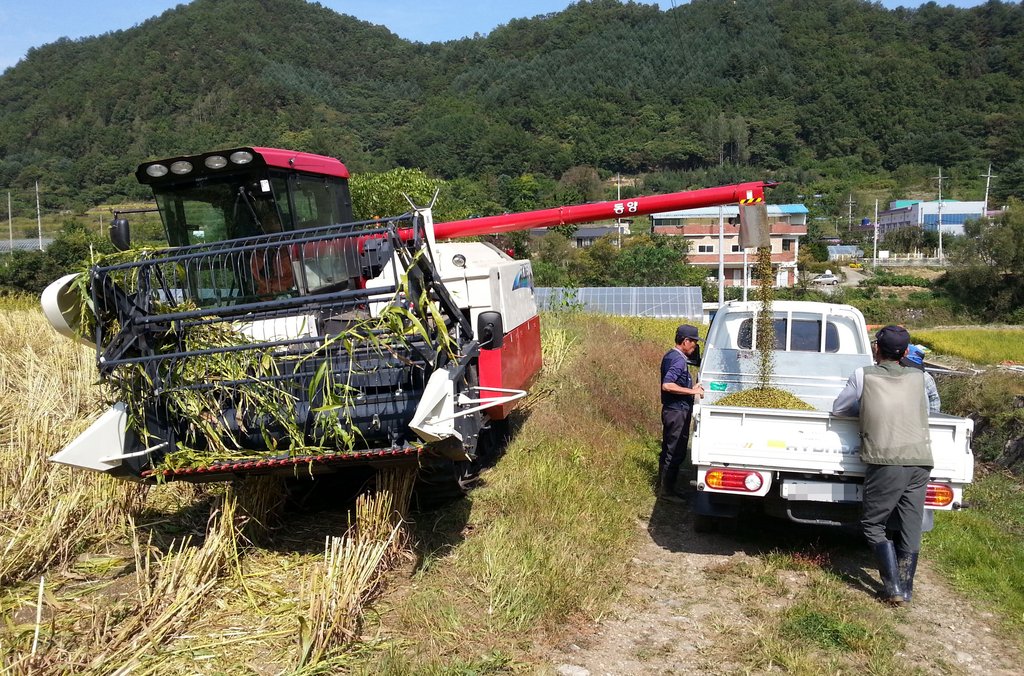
(806, 335)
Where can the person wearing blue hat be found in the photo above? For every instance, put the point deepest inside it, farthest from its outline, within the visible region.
(892, 405)
(915, 360)
(677, 393)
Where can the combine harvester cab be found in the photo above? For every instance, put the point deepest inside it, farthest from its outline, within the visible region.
(271, 339)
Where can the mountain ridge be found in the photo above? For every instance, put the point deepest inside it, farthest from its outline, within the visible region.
(753, 86)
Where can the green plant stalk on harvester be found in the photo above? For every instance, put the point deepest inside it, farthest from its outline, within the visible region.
(247, 379)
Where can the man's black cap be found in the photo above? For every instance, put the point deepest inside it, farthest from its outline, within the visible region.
(892, 341)
(686, 331)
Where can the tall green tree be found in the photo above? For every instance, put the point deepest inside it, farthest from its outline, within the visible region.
(988, 275)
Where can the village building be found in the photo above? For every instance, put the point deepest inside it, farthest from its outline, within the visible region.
(700, 227)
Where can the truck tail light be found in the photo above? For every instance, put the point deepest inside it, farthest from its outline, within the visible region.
(734, 480)
(938, 495)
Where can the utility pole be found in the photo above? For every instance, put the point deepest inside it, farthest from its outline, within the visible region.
(849, 213)
(39, 218)
(618, 221)
(10, 222)
(874, 256)
(745, 280)
(721, 256)
(988, 181)
(939, 178)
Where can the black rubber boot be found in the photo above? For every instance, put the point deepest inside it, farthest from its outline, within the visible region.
(885, 556)
(667, 486)
(907, 564)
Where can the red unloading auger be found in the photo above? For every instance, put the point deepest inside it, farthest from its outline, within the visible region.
(740, 193)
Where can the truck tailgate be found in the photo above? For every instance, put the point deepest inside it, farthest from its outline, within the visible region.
(813, 442)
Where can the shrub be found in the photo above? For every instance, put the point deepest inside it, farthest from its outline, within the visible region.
(885, 278)
(990, 399)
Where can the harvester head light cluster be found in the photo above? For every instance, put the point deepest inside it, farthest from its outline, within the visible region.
(459, 261)
(215, 162)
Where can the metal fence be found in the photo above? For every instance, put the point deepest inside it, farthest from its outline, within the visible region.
(630, 301)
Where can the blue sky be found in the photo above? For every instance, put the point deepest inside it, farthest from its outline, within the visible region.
(31, 23)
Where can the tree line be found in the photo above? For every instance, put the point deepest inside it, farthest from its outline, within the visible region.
(834, 99)
(827, 96)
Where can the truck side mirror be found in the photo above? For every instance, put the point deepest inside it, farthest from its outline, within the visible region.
(490, 330)
(755, 232)
(120, 234)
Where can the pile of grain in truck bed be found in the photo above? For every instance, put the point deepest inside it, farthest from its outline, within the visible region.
(765, 397)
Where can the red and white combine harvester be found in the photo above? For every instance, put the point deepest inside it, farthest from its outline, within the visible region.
(275, 335)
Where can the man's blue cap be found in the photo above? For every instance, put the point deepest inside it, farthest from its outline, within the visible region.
(686, 331)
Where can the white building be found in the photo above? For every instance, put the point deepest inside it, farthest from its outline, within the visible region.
(925, 215)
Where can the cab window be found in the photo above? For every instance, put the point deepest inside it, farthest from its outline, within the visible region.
(806, 335)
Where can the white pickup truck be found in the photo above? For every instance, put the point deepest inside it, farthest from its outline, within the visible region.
(800, 465)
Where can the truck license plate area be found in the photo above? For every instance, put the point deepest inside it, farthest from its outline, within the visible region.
(820, 491)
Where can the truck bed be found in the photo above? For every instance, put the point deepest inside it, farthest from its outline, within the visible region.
(813, 442)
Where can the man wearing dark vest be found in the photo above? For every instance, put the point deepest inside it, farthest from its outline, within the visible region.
(677, 392)
(893, 408)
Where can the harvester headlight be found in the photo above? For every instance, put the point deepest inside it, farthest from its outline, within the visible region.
(215, 162)
(459, 261)
(181, 167)
(156, 170)
(241, 157)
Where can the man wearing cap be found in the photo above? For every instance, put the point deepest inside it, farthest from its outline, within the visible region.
(915, 360)
(677, 392)
(893, 408)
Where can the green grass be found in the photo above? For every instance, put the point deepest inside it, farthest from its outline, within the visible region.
(981, 550)
(550, 533)
(824, 628)
(977, 344)
(808, 623)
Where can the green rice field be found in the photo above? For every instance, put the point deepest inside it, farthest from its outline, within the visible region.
(980, 345)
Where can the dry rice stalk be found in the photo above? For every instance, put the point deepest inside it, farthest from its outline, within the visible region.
(337, 591)
(353, 566)
(260, 503)
(377, 516)
(172, 589)
(48, 513)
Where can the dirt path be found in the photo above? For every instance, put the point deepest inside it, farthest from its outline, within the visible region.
(686, 611)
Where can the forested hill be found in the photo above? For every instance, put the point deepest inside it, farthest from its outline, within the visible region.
(758, 86)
